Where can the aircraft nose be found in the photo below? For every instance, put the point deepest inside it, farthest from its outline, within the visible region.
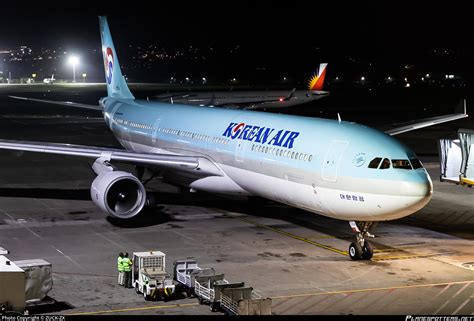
(422, 187)
(417, 192)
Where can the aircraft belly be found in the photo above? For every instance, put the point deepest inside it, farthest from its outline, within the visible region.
(330, 202)
(277, 189)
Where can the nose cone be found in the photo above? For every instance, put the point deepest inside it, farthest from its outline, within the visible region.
(421, 186)
(417, 192)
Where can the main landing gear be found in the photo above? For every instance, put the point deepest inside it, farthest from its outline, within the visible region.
(361, 249)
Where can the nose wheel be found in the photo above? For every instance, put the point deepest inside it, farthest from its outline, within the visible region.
(361, 249)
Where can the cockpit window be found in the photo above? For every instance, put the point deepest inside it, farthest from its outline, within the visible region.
(401, 163)
(385, 164)
(415, 162)
(375, 162)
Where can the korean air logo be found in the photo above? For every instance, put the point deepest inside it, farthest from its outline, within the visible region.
(109, 65)
(236, 130)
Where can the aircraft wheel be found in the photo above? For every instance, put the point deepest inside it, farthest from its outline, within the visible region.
(367, 251)
(146, 296)
(189, 292)
(355, 251)
(214, 306)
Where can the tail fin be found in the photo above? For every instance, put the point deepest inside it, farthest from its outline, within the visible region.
(116, 84)
(317, 81)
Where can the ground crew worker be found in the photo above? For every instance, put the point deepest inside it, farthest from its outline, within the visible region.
(127, 263)
(120, 269)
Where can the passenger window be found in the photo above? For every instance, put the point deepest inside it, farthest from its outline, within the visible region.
(401, 163)
(415, 162)
(385, 164)
(375, 162)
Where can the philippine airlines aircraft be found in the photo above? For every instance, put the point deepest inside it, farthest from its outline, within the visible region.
(333, 168)
(253, 99)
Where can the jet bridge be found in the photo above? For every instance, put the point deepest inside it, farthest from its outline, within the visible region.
(457, 158)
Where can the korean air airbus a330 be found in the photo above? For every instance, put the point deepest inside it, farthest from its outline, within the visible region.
(333, 168)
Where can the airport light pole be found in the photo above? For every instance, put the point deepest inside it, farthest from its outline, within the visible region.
(73, 60)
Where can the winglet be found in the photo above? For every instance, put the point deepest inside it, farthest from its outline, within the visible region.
(288, 97)
(461, 107)
(339, 118)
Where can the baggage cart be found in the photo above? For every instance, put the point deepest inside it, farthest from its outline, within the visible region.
(208, 289)
(185, 273)
(244, 301)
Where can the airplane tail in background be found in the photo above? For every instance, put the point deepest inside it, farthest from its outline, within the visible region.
(116, 84)
(317, 81)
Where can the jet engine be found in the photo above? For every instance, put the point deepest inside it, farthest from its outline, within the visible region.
(118, 193)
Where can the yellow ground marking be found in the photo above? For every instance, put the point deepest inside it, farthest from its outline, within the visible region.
(137, 309)
(368, 290)
(404, 255)
(322, 237)
(345, 253)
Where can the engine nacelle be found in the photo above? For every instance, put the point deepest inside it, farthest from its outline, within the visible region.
(118, 193)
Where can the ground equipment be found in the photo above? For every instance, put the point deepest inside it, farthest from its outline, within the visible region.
(149, 276)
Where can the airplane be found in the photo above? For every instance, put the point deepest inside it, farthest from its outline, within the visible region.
(333, 168)
(49, 80)
(253, 99)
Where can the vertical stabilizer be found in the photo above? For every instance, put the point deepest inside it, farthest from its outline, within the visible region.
(116, 84)
(317, 81)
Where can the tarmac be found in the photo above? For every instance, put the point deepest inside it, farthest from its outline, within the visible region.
(423, 264)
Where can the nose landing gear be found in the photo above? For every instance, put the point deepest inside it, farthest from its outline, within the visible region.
(361, 249)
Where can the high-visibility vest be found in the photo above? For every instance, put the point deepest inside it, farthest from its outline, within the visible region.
(126, 262)
(120, 264)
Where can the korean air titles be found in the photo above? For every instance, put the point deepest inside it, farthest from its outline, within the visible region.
(263, 135)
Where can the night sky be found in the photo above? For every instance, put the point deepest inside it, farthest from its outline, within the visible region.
(279, 33)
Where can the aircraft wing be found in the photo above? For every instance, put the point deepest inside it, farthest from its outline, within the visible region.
(459, 113)
(266, 100)
(193, 164)
(62, 103)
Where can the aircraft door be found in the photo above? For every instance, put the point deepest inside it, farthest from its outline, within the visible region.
(240, 150)
(240, 144)
(333, 159)
(155, 132)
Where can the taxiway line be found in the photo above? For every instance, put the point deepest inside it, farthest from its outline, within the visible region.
(403, 256)
(326, 247)
(407, 256)
(136, 309)
(369, 289)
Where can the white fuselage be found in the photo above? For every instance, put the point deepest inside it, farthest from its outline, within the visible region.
(315, 164)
